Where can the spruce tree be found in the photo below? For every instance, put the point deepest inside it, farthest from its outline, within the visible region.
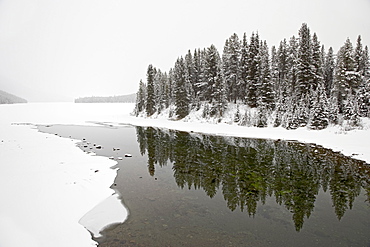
(182, 99)
(225, 69)
(212, 73)
(190, 77)
(292, 77)
(274, 69)
(230, 67)
(202, 85)
(171, 87)
(265, 92)
(283, 67)
(364, 92)
(252, 70)
(329, 66)
(305, 73)
(351, 111)
(358, 56)
(317, 63)
(161, 90)
(243, 69)
(140, 98)
(197, 74)
(366, 64)
(150, 97)
(345, 75)
(319, 114)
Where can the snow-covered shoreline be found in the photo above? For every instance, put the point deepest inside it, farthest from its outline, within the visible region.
(354, 143)
(47, 184)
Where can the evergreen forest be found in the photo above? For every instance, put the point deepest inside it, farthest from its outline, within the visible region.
(129, 98)
(297, 84)
(7, 98)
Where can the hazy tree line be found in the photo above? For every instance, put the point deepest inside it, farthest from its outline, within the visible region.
(299, 83)
(130, 98)
(7, 98)
(247, 171)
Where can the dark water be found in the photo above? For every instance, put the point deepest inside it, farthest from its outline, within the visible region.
(187, 189)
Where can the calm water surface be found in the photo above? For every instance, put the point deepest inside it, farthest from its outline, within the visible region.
(190, 189)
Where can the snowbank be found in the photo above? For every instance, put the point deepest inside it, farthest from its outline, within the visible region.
(354, 143)
(47, 184)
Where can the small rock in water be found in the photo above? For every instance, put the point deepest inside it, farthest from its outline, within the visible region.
(119, 158)
(98, 146)
(116, 149)
(128, 155)
(112, 158)
(96, 170)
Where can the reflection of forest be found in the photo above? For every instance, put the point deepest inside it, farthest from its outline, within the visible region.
(249, 170)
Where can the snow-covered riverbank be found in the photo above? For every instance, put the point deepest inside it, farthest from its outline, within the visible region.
(47, 184)
(353, 143)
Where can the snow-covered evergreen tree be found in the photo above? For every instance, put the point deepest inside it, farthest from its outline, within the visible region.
(230, 67)
(292, 76)
(197, 73)
(171, 87)
(140, 99)
(302, 110)
(283, 68)
(358, 56)
(243, 68)
(351, 111)
(346, 78)
(265, 90)
(333, 109)
(150, 96)
(305, 75)
(319, 115)
(161, 90)
(274, 68)
(202, 84)
(212, 73)
(182, 99)
(317, 63)
(364, 91)
(329, 66)
(190, 76)
(253, 70)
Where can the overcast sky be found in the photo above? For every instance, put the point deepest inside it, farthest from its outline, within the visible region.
(58, 50)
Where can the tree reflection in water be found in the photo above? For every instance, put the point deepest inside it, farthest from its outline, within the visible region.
(249, 170)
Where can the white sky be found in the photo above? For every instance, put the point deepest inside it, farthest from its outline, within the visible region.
(57, 50)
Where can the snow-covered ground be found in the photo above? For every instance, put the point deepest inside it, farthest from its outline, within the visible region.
(48, 185)
(354, 143)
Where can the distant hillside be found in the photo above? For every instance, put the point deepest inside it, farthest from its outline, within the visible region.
(7, 98)
(130, 98)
